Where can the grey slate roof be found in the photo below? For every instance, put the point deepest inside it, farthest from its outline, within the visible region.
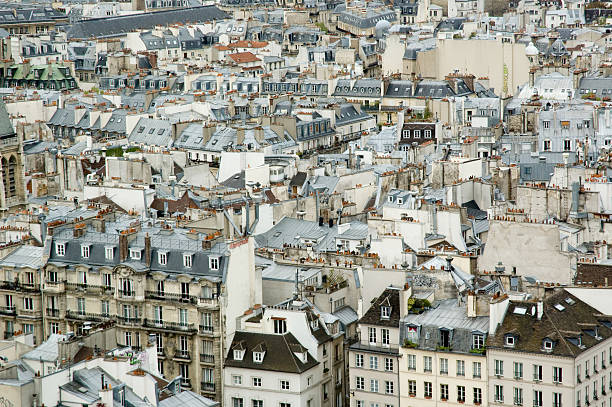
(25, 256)
(120, 25)
(6, 128)
(153, 132)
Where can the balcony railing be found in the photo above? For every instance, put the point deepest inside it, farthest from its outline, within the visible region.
(52, 312)
(87, 316)
(206, 329)
(88, 288)
(164, 296)
(182, 354)
(17, 286)
(8, 310)
(204, 358)
(208, 387)
(127, 293)
(171, 326)
(130, 321)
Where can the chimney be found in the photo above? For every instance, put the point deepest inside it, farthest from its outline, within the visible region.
(103, 382)
(99, 224)
(449, 266)
(540, 310)
(147, 250)
(405, 294)
(331, 222)
(79, 230)
(123, 245)
(471, 305)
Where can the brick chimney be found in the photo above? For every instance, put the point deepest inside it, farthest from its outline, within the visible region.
(147, 250)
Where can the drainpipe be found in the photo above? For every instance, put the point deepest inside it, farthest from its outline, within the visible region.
(248, 217)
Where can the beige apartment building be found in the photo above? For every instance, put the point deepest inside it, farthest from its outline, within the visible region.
(185, 288)
(374, 359)
(443, 358)
(556, 352)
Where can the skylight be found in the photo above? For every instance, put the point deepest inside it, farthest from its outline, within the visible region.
(520, 310)
(559, 307)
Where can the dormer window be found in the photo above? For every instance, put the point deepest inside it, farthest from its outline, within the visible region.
(85, 251)
(314, 324)
(135, 254)
(60, 249)
(162, 258)
(280, 325)
(238, 354)
(477, 341)
(385, 312)
(187, 260)
(109, 252)
(258, 357)
(509, 340)
(548, 345)
(213, 263)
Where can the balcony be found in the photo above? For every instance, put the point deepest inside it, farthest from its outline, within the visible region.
(53, 286)
(29, 313)
(86, 316)
(89, 288)
(182, 354)
(130, 294)
(17, 286)
(186, 382)
(207, 387)
(164, 296)
(170, 326)
(208, 302)
(52, 312)
(204, 358)
(129, 321)
(8, 310)
(207, 329)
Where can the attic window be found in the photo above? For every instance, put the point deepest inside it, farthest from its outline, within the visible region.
(258, 357)
(238, 354)
(385, 312)
(510, 340)
(548, 345)
(135, 254)
(390, 198)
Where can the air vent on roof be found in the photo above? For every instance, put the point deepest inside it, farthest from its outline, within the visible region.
(559, 307)
(570, 301)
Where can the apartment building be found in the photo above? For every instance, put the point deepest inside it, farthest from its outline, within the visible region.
(443, 355)
(374, 359)
(306, 348)
(181, 286)
(555, 352)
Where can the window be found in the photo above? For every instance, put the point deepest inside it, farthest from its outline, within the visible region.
(412, 388)
(107, 280)
(518, 370)
(567, 145)
(444, 392)
(109, 253)
(257, 403)
(499, 393)
(162, 258)
(60, 249)
(359, 360)
(258, 357)
(359, 383)
(427, 389)
(411, 362)
(385, 312)
(280, 326)
(460, 368)
(374, 385)
(537, 373)
(406, 133)
(443, 366)
(85, 251)
(54, 327)
(518, 396)
(499, 367)
(105, 307)
(509, 340)
(388, 364)
(237, 380)
(416, 133)
(557, 374)
(586, 369)
(385, 337)
(546, 145)
(557, 400)
(28, 303)
(388, 387)
(427, 133)
(546, 124)
(476, 367)
(81, 306)
(284, 384)
(183, 316)
(256, 381)
(237, 402)
(427, 363)
(187, 260)
(213, 263)
(373, 362)
(477, 395)
(135, 254)
(537, 398)
(52, 276)
(372, 335)
(461, 394)
(477, 341)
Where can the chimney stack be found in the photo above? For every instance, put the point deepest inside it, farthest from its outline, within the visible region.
(540, 310)
(147, 249)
